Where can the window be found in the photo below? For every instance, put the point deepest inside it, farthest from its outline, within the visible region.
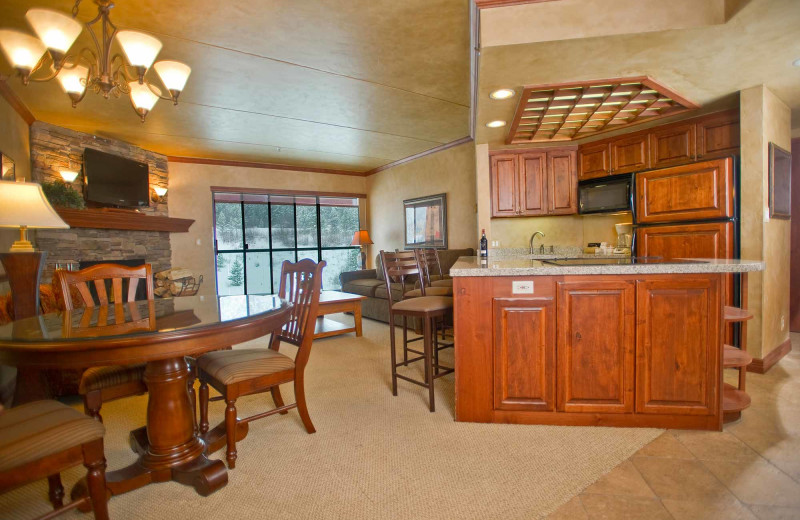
(255, 233)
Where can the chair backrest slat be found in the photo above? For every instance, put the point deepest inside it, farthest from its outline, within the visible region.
(301, 284)
(98, 274)
(396, 267)
(429, 263)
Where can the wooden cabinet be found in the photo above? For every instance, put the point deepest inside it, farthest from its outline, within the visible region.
(562, 183)
(534, 183)
(595, 345)
(504, 179)
(630, 154)
(678, 346)
(594, 160)
(718, 136)
(673, 144)
(711, 240)
(524, 353)
(698, 191)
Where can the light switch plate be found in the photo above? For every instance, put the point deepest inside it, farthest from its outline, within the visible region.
(525, 287)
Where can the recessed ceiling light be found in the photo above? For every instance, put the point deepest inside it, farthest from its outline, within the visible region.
(796, 63)
(496, 124)
(503, 93)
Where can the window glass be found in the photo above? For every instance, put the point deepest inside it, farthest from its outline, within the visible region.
(256, 225)
(258, 273)
(228, 228)
(230, 273)
(282, 226)
(339, 261)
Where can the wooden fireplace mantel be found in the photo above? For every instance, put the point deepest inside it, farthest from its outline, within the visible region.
(130, 220)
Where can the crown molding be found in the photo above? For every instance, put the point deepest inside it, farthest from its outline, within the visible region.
(420, 155)
(263, 165)
(486, 4)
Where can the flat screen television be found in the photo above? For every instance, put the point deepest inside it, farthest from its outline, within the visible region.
(115, 181)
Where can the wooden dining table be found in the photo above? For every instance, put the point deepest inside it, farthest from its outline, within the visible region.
(160, 333)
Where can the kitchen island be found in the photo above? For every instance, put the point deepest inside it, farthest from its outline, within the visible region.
(602, 342)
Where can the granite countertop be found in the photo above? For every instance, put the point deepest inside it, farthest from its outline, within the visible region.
(528, 265)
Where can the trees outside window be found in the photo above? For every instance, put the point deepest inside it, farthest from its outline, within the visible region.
(255, 234)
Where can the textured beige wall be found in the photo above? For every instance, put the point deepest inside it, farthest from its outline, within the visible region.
(14, 142)
(450, 171)
(190, 197)
(765, 119)
(570, 19)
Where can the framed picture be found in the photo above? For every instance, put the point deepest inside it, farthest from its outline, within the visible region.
(7, 168)
(780, 182)
(426, 221)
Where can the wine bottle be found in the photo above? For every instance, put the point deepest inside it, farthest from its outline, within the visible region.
(484, 244)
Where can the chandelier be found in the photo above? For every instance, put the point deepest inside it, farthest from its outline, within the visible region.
(97, 70)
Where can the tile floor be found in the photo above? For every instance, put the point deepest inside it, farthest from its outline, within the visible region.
(750, 470)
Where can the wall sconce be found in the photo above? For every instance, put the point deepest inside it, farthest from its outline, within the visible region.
(159, 191)
(68, 175)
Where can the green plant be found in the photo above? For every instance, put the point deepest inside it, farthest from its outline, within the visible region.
(58, 193)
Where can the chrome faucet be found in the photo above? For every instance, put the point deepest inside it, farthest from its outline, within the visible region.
(541, 249)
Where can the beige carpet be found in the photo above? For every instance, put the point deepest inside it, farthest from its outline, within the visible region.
(373, 456)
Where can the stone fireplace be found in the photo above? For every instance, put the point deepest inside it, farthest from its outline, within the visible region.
(54, 148)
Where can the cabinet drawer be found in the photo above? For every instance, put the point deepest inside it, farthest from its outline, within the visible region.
(697, 191)
(524, 354)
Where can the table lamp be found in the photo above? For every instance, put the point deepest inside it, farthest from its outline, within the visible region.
(361, 238)
(23, 206)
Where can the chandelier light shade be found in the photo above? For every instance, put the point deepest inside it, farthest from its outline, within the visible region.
(56, 30)
(174, 75)
(73, 80)
(22, 50)
(98, 69)
(141, 49)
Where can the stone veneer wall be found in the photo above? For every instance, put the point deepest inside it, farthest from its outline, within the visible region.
(53, 149)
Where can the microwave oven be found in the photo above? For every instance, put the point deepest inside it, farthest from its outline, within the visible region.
(606, 195)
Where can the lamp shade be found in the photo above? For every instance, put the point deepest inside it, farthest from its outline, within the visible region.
(173, 74)
(141, 49)
(57, 30)
(24, 204)
(73, 80)
(361, 238)
(22, 50)
(142, 97)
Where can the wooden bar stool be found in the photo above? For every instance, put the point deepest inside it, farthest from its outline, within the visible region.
(735, 398)
(396, 267)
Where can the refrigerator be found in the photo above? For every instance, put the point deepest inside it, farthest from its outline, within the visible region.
(689, 211)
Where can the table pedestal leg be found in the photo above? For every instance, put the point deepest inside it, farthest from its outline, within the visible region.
(172, 451)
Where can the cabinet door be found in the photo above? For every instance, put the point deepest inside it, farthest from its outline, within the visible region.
(504, 185)
(596, 328)
(678, 345)
(718, 136)
(630, 154)
(672, 145)
(524, 354)
(714, 240)
(593, 160)
(696, 191)
(562, 183)
(532, 184)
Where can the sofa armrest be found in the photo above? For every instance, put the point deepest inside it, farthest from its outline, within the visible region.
(349, 276)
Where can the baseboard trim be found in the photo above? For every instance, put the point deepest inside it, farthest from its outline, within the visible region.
(761, 366)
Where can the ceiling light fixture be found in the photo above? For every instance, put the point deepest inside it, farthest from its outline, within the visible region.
(68, 175)
(97, 70)
(503, 93)
(796, 63)
(496, 124)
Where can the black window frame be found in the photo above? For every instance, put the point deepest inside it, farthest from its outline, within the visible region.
(245, 247)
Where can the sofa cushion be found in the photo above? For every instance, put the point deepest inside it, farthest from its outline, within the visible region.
(364, 286)
(397, 291)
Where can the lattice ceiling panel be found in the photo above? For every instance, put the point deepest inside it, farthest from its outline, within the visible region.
(572, 111)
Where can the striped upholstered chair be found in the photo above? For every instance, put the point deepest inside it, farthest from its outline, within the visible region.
(42, 439)
(103, 384)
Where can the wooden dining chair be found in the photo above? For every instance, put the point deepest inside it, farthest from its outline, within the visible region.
(240, 372)
(428, 308)
(43, 438)
(102, 384)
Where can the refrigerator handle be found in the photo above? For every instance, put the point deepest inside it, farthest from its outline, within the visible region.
(633, 243)
(631, 193)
